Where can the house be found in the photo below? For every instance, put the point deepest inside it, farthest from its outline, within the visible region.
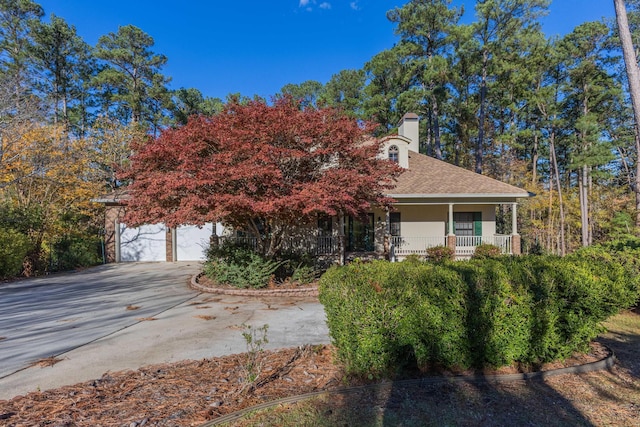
(440, 204)
(437, 204)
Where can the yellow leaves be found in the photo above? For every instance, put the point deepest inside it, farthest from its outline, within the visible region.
(49, 169)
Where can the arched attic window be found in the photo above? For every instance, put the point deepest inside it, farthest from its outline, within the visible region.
(394, 155)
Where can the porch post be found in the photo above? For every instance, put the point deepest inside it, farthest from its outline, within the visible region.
(451, 236)
(515, 237)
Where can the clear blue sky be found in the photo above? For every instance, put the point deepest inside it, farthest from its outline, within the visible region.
(255, 47)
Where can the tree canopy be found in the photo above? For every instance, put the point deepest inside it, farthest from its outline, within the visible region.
(263, 169)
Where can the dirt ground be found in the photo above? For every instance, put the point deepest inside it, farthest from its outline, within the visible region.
(190, 393)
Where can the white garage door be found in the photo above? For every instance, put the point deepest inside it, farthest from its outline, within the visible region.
(145, 243)
(192, 242)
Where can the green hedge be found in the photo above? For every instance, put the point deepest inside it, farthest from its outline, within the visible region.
(387, 317)
(13, 250)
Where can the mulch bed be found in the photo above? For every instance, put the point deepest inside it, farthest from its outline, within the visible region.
(190, 393)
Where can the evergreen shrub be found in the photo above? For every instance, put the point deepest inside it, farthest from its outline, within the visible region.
(239, 266)
(440, 254)
(486, 250)
(14, 247)
(386, 317)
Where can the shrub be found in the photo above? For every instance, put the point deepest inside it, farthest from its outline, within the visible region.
(239, 266)
(14, 247)
(384, 317)
(303, 274)
(413, 258)
(486, 250)
(75, 251)
(440, 254)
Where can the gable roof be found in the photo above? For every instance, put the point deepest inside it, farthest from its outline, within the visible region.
(428, 177)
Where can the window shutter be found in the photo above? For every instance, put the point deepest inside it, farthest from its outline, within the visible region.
(477, 223)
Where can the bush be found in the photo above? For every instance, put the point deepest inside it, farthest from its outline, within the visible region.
(384, 317)
(303, 274)
(239, 266)
(14, 247)
(485, 251)
(72, 252)
(440, 254)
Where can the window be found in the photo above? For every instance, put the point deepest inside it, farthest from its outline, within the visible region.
(467, 223)
(394, 224)
(394, 154)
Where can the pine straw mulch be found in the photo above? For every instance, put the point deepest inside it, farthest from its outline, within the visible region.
(186, 393)
(190, 393)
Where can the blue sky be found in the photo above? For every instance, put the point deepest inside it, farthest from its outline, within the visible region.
(256, 47)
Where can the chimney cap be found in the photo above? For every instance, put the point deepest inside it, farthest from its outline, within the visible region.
(410, 116)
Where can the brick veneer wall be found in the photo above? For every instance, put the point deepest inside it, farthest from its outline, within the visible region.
(113, 213)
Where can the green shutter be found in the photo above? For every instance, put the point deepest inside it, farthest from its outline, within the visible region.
(477, 223)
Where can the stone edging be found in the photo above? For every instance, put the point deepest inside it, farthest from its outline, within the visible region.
(301, 292)
(606, 363)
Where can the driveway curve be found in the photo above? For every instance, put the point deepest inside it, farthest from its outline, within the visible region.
(124, 316)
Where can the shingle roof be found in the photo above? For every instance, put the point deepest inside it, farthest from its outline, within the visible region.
(429, 177)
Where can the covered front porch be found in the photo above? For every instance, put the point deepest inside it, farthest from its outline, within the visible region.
(410, 228)
(414, 227)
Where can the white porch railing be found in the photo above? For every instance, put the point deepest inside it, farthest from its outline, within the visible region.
(404, 246)
(465, 245)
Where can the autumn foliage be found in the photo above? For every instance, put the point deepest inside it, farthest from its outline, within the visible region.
(264, 169)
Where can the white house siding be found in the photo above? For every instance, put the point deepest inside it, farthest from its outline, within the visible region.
(192, 242)
(144, 243)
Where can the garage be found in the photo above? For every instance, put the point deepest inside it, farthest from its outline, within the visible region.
(192, 242)
(146, 243)
(154, 242)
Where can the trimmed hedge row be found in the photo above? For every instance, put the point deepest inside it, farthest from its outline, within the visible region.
(388, 317)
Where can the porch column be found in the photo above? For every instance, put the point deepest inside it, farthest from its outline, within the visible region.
(515, 237)
(451, 236)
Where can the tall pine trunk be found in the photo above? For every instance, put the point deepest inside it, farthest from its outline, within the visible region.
(556, 176)
(482, 114)
(437, 148)
(633, 75)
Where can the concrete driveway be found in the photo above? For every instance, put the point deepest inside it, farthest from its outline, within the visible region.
(124, 316)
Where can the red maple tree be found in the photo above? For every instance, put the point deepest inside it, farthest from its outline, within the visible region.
(264, 169)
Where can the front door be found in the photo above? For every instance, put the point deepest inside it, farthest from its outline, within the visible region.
(360, 234)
